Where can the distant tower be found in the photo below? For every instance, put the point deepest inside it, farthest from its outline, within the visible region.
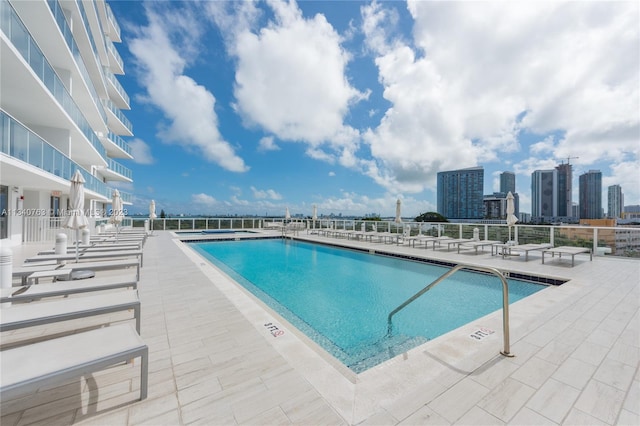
(615, 201)
(591, 195)
(460, 193)
(565, 175)
(508, 182)
(544, 194)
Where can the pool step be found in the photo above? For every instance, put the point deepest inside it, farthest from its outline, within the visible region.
(383, 350)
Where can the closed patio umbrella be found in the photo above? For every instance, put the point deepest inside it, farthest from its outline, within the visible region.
(398, 209)
(76, 218)
(511, 218)
(314, 215)
(116, 210)
(287, 215)
(152, 213)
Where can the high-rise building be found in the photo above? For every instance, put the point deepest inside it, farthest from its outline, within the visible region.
(615, 201)
(508, 182)
(544, 194)
(60, 111)
(591, 195)
(564, 193)
(460, 193)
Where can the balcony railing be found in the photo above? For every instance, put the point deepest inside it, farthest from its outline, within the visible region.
(111, 48)
(19, 142)
(619, 241)
(15, 30)
(119, 168)
(119, 115)
(112, 78)
(113, 20)
(120, 142)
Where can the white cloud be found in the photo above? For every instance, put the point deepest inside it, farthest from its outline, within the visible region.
(188, 107)
(203, 199)
(141, 152)
(290, 78)
(481, 73)
(332, 174)
(267, 144)
(269, 194)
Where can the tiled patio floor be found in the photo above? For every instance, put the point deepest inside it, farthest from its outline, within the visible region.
(212, 361)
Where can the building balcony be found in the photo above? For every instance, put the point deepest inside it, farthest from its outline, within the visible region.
(113, 27)
(34, 163)
(116, 92)
(116, 120)
(116, 146)
(116, 171)
(115, 61)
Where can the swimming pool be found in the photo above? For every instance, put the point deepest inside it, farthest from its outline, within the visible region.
(341, 298)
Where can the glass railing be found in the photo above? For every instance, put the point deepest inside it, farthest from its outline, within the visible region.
(15, 30)
(120, 142)
(116, 111)
(112, 19)
(112, 78)
(19, 142)
(119, 168)
(111, 48)
(126, 197)
(61, 20)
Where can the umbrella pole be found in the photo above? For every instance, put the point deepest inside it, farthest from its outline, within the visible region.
(77, 236)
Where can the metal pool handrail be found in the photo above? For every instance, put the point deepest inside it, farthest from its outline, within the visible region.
(505, 299)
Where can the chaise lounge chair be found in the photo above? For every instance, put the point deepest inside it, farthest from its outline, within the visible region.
(32, 292)
(64, 358)
(40, 313)
(568, 250)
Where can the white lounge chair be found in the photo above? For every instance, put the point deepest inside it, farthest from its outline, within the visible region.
(27, 368)
(572, 251)
(26, 271)
(477, 244)
(508, 250)
(95, 249)
(86, 256)
(31, 292)
(32, 314)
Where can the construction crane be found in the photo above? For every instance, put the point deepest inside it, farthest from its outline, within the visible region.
(568, 160)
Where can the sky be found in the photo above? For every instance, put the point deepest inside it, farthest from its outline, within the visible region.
(247, 108)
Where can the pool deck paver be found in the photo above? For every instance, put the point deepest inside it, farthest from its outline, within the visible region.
(577, 356)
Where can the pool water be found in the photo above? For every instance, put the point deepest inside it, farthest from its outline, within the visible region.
(341, 298)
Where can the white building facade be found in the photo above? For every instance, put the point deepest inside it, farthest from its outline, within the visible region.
(60, 111)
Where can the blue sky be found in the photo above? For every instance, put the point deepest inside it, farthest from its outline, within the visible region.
(252, 107)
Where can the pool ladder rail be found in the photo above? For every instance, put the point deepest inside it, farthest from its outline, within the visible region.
(505, 299)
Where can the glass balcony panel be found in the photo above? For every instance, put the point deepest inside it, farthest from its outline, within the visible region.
(4, 134)
(19, 37)
(36, 61)
(47, 158)
(19, 142)
(35, 150)
(5, 17)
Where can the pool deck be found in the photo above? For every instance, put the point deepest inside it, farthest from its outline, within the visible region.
(213, 361)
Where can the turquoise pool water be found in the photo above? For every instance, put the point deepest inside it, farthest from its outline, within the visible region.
(341, 298)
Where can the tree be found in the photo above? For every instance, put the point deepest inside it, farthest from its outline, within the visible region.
(431, 217)
(162, 214)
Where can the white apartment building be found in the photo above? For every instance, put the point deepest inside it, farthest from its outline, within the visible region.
(60, 111)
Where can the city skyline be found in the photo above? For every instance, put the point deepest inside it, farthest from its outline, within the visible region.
(275, 105)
